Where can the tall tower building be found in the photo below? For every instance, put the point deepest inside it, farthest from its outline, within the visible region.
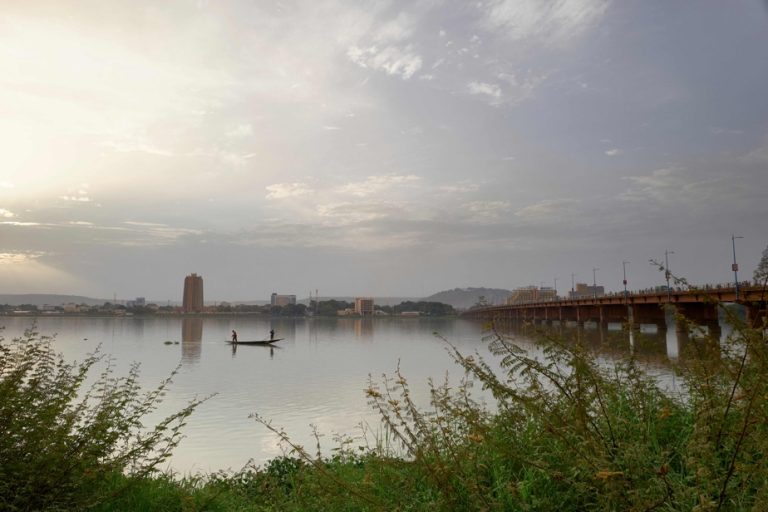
(193, 294)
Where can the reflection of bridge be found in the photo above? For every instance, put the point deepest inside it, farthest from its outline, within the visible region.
(698, 305)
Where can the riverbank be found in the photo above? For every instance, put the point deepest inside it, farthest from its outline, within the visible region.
(567, 433)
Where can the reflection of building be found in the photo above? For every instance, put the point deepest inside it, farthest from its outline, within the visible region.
(191, 339)
(364, 306)
(363, 327)
(193, 294)
(531, 294)
(584, 291)
(282, 300)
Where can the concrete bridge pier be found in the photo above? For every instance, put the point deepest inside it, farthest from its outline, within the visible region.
(652, 314)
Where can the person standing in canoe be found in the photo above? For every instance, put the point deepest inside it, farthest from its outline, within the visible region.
(234, 336)
(271, 334)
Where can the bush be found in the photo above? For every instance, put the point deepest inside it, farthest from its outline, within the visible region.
(570, 434)
(567, 433)
(60, 441)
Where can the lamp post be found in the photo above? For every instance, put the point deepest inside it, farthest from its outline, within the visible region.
(594, 282)
(626, 296)
(667, 274)
(573, 289)
(735, 266)
(555, 297)
(624, 267)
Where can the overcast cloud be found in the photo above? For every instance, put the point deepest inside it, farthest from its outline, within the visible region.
(378, 147)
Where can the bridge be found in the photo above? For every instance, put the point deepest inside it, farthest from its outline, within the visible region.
(699, 305)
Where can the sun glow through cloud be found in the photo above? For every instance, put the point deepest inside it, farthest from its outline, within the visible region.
(425, 134)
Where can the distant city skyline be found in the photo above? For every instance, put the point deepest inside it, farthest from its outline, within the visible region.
(379, 148)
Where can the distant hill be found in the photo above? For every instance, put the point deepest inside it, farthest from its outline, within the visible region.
(40, 299)
(464, 298)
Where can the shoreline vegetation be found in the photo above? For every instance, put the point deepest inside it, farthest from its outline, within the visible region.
(324, 309)
(565, 433)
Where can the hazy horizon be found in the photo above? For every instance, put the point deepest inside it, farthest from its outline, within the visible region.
(378, 148)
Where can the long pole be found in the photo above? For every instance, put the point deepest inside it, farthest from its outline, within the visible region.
(626, 294)
(594, 282)
(735, 266)
(667, 274)
(624, 267)
(573, 289)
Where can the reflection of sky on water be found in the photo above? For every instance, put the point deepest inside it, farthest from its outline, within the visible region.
(316, 375)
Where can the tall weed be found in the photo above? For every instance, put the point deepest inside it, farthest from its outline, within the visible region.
(568, 433)
(60, 441)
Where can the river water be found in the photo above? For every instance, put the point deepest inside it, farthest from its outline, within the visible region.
(315, 376)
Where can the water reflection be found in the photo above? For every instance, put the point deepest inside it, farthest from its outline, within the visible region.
(256, 348)
(364, 327)
(316, 375)
(656, 346)
(665, 344)
(191, 340)
(284, 328)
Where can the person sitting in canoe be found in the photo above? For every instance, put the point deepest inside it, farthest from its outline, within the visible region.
(234, 336)
(271, 334)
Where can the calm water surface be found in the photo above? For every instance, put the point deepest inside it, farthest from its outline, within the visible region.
(316, 376)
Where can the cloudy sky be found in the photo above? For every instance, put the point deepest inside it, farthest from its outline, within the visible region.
(378, 147)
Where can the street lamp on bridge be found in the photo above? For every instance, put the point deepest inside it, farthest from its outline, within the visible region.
(624, 267)
(735, 266)
(594, 282)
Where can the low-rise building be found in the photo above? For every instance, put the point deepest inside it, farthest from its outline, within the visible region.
(585, 291)
(282, 300)
(364, 306)
(528, 294)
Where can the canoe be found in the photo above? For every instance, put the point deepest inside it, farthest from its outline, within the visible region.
(254, 342)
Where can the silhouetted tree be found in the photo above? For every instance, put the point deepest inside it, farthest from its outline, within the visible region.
(761, 272)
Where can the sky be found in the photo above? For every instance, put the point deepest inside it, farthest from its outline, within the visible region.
(378, 147)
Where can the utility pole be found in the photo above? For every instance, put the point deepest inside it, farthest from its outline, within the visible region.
(667, 273)
(626, 295)
(594, 282)
(624, 267)
(735, 266)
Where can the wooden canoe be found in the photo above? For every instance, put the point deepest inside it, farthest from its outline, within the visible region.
(254, 342)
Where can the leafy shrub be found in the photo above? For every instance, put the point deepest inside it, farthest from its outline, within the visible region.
(567, 433)
(570, 434)
(60, 440)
